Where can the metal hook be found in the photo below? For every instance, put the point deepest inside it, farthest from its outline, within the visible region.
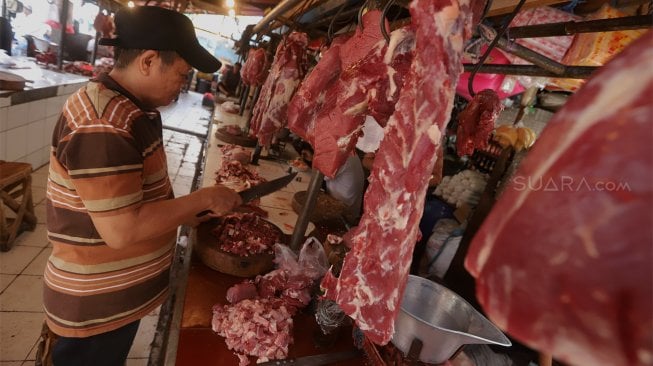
(508, 20)
(384, 31)
(360, 15)
(333, 20)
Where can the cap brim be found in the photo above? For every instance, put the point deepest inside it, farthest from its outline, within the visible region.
(200, 58)
(109, 42)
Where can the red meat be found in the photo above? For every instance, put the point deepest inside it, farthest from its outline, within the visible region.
(476, 122)
(269, 115)
(563, 262)
(255, 70)
(374, 272)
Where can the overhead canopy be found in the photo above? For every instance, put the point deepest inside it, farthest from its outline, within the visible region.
(242, 7)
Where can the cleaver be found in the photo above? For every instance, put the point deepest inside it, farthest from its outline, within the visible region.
(261, 190)
(266, 188)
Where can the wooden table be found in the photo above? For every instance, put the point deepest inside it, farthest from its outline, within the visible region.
(199, 345)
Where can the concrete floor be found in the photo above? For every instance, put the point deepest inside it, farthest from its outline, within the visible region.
(21, 268)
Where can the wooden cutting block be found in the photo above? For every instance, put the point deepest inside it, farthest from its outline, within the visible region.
(209, 252)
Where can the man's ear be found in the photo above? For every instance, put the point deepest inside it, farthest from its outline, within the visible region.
(146, 61)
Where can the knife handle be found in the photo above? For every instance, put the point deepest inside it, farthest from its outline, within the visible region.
(205, 212)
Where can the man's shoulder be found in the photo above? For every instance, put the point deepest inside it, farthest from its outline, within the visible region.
(96, 104)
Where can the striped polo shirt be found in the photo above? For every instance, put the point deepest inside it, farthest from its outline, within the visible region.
(107, 157)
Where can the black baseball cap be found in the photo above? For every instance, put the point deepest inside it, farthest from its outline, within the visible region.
(155, 28)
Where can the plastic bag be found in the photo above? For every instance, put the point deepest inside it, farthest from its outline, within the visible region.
(312, 261)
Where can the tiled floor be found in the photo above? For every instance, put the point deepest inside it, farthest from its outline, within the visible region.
(21, 268)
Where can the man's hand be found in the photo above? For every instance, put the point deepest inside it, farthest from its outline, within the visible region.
(220, 200)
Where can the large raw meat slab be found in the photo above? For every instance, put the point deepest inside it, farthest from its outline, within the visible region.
(369, 86)
(563, 262)
(343, 52)
(374, 272)
(287, 72)
(255, 70)
(308, 100)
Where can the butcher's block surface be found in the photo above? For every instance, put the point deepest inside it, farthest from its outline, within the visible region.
(209, 252)
(199, 345)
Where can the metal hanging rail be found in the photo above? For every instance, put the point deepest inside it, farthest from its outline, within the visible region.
(281, 8)
(569, 28)
(571, 72)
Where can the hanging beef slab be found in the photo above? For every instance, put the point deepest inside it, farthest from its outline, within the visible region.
(374, 272)
(563, 262)
(287, 72)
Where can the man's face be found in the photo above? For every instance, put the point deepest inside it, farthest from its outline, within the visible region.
(167, 81)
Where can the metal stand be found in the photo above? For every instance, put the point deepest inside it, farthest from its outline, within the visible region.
(304, 216)
(243, 101)
(257, 154)
(257, 93)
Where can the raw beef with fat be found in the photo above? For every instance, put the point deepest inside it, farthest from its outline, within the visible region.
(255, 70)
(288, 68)
(343, 52)
(476, 122)
(563, 262)
(374, 272)
(369, 86)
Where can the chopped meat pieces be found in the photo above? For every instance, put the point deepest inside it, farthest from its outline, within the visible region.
(246, 234)
(259, 327)
(234, 175)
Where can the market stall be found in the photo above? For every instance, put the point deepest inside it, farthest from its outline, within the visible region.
(451, 143)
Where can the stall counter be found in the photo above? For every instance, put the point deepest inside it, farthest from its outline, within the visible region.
(205, 287)
(27, 117)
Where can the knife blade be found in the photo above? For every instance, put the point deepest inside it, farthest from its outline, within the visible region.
(266, 188)
(261, 190)
(315, 360)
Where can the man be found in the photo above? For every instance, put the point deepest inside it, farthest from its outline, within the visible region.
(111, 215)
(230, 80)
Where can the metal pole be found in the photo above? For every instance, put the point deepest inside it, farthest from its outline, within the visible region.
(63, 21)
(243, 101)
(257, 153)
(97, 40)
(303, 219)
(490, 35)
(571, 72)
(257, 93)
(568, 28)
(4, 9)
(283, 6)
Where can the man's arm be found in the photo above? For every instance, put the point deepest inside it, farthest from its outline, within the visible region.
(155, 218)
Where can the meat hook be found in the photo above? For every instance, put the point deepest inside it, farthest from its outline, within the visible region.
(360, 15)
(500, 33)
(333, 20)
(384, 31)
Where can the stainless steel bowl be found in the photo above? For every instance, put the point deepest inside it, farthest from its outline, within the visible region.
(442, 320)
